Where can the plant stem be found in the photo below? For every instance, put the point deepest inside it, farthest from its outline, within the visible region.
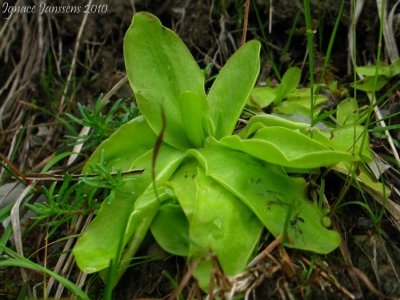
(310, 47)
(245, 22)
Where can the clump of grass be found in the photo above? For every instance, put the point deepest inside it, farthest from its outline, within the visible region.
(101, 120)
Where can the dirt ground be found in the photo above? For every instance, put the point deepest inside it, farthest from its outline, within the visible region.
(37, 56)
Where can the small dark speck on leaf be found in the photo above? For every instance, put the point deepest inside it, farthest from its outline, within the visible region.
(294, 220)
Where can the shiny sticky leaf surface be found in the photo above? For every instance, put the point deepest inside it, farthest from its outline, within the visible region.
(271, 195)
(160, 68)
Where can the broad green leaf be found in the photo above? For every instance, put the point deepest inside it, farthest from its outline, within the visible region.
(303, 96)
(368, 84)
(232, 87)
(99, 243)
(347, 112)
(395, 68)
(223, 224)
(184, 186)
(218, 221)
(262, 96)
(288, 148)
(145, 209)
(371, 71)
(136, 229)
(267, 120)
(117, 219)
(322, 137)
(279, 201)
(389, 71)
(170, 229)
(147, 203)
(127, 143)
(352, 139)
(296, 108)
(194, 110)
(347, 139)
(305, 93)
(298, 103)
(160, 68)
(290, 81)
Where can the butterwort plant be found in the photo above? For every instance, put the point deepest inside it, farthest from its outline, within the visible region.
(203, 187)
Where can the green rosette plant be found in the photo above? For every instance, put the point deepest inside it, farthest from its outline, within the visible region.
(204, 187)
